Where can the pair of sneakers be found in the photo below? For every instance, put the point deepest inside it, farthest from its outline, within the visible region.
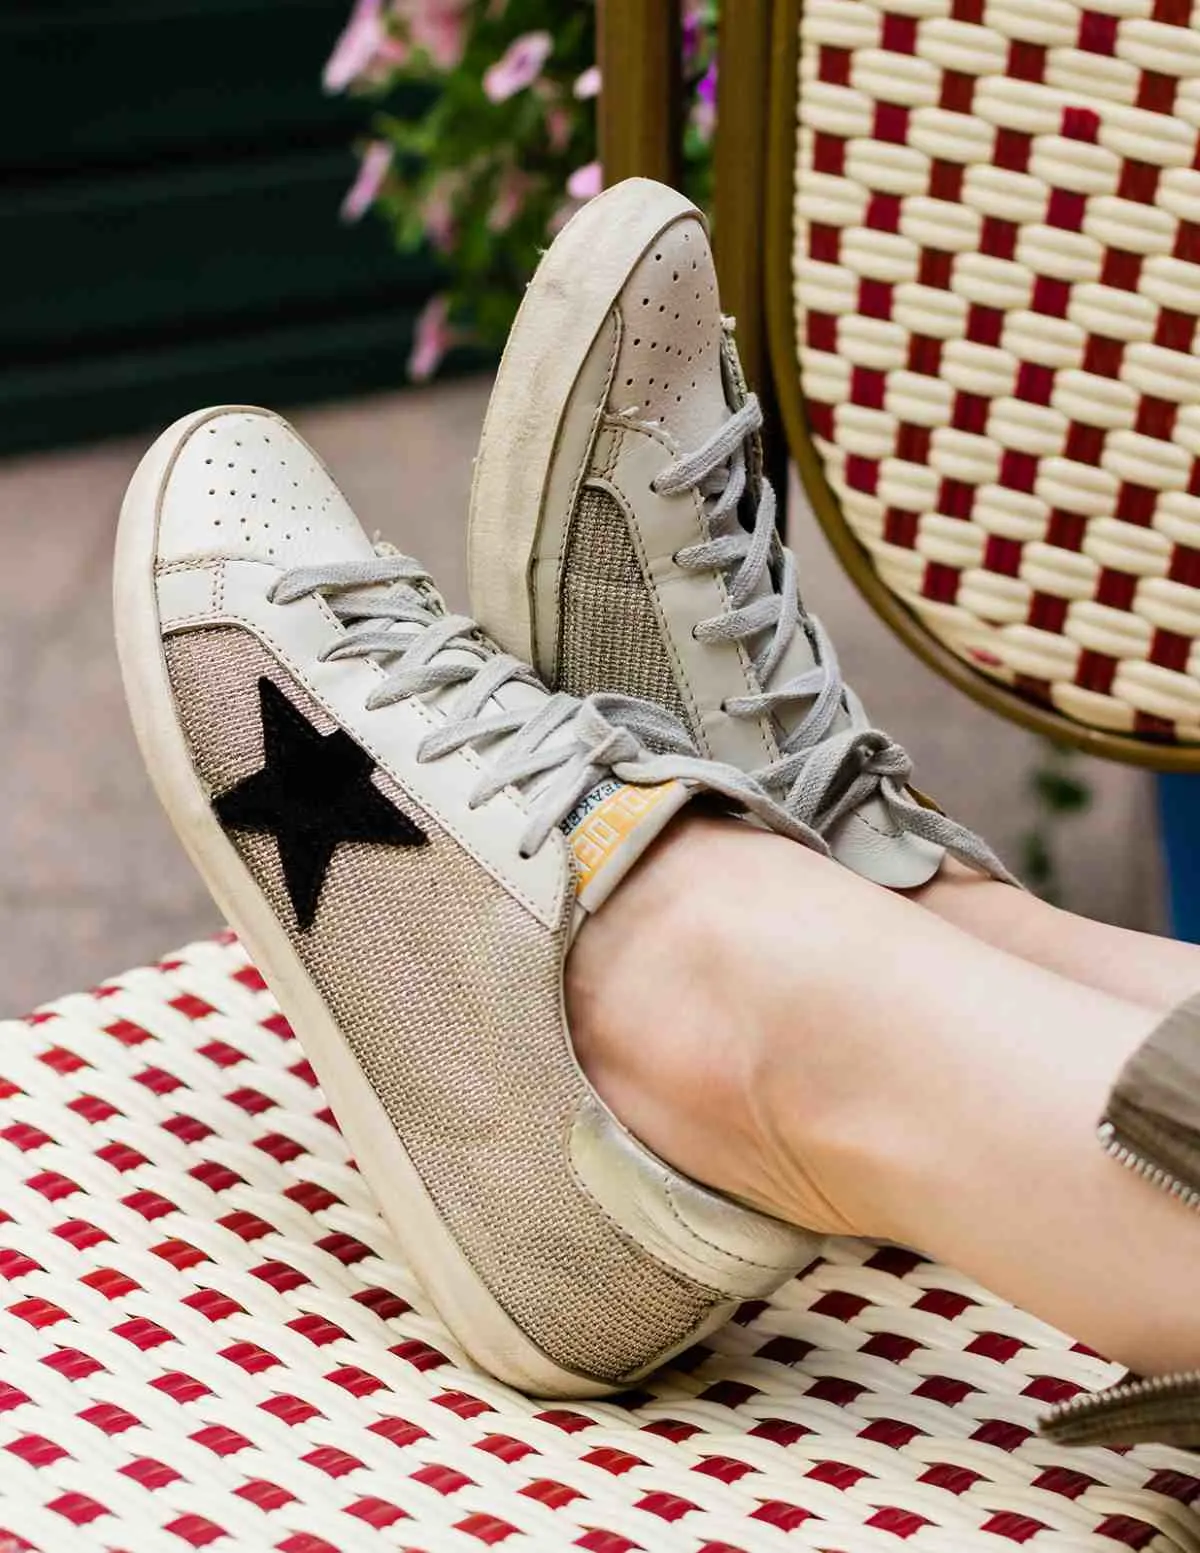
(409, 829)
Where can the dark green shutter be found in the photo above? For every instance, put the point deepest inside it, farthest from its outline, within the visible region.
(169, 232)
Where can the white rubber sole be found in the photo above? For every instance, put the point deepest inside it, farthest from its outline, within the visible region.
(564, 308)
(478, 1322)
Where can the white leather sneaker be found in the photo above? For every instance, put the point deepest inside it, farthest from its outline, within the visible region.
(408, 830)
(618, 464)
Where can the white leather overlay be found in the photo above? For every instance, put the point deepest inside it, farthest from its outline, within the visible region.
(187, 591)
(734, 1250)
(660, 526)
(243, 483)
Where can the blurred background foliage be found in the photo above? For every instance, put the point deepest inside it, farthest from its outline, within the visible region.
(504, 147)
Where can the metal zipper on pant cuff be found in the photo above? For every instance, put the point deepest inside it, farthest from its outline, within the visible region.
(1096, 1417)
(1125, 1154)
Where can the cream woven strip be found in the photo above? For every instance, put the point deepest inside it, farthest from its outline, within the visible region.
(997, 275)
(208, 1339)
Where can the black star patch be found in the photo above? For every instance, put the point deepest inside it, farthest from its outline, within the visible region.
(314, 791)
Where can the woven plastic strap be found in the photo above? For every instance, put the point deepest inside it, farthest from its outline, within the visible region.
(207, 1339)
(997, 272)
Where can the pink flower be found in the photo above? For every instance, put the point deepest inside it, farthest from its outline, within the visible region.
(438, 27)
(437, 209)
(363, 48)
(518, 67)
(586, 181)
(511, 193)
(561, 216)
(372, 171)
(559, 122)
(588, 84)
(434, 337)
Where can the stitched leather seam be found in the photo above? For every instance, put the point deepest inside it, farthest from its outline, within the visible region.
(679, 668)
(627, 1235)
(770, 748)
(690, 1229)
(560, 560)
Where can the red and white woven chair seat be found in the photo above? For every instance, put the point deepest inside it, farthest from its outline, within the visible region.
(997, 279)
(207, 1340)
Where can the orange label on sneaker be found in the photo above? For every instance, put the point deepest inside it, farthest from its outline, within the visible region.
(600, 826)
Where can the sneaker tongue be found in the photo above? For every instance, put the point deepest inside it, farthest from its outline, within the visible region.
(610, 828)
(613, 824)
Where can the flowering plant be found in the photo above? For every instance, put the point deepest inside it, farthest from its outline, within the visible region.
(503, 147)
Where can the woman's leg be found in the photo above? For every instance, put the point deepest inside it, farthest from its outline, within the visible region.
(1155, 972)
(784, 1031)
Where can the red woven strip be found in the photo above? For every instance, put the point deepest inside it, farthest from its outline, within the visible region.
(829, 153)
(969, 412)
(1139, 181)
(821, 332)
(1003, 556)
(900, 527)
(1081, 124)
(1066, 209)
(1026, 61)
(1156, 417)
(913, 442)
(824, 242)
(1175, 330)
(1185, 566)
(1156, 92)
(1136, 503)
(867, 387)
(984, 325)
(945, 183)
(1095, 671)
(1102, 356)
(1012, 150)
(998, 239)
(1084, 445)
(1170, 650)
(940, 582)
(925, 354)
(1048, 612)
(1121, 269)
(1035, 383)
(1115, 589)
(956, 499)
(1098, 33)
(833, 65)
(958, 91)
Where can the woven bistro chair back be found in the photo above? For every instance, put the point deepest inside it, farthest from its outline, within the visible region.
(962, 238)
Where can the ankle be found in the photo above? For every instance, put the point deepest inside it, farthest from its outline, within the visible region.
(684, 1018)
(649, 992)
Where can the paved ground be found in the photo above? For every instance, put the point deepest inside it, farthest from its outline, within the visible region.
(91, 879)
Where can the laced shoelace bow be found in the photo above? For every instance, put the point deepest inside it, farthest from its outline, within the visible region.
(554, 755)
(822, 773)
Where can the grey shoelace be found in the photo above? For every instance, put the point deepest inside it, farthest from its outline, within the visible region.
(822, 774)
(554, 754)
